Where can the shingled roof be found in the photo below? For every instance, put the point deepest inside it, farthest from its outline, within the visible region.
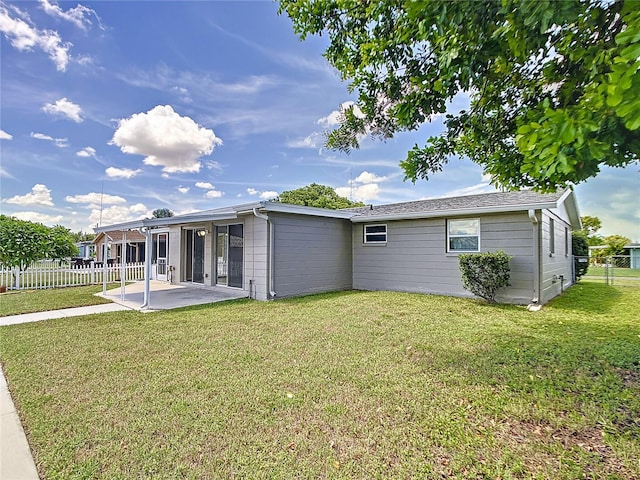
(486, 202)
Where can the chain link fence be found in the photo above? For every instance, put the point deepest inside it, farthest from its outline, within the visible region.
(614, 270)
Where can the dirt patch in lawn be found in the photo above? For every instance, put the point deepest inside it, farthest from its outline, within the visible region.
(598, 457)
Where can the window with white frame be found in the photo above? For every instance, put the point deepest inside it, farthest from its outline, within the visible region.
(567, 242)
(552, 236)
(463, 235)
(375, 234)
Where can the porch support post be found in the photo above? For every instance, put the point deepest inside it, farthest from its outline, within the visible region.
(123, 266)
(147, 266)
(105, 268)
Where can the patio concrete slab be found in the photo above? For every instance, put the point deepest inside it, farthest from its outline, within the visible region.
(166, 296)
(16, 462)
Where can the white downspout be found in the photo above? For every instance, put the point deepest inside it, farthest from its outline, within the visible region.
(272, 294)
(536, 256)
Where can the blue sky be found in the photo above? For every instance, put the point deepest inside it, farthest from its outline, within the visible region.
(198, 105)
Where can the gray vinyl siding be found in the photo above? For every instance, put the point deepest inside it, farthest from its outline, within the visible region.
(415, 257)
(256, 266)
(311, 254)
(560, 262)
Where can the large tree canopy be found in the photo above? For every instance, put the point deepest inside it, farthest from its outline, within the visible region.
(554, 86)
(23, 242)
(316, 195)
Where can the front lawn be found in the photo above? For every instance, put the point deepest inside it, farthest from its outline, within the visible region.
(30, 301)
(344, 385)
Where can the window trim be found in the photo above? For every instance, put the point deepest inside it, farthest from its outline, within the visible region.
(374, 242)
(552, 237)
(449, 236)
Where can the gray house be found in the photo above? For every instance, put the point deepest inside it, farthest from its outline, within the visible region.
(273, 250)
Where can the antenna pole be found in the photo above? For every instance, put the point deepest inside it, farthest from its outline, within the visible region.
(101, 195)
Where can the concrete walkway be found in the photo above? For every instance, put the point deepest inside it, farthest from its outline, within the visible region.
(16, 461)
(63, 313)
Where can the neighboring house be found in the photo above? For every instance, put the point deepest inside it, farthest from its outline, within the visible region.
(634, 254)
(86, 249)
(135, 244)
(275, 250)
(632, 250)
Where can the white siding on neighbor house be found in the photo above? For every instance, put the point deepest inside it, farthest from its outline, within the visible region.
(311, 254)
(415, 257)
(557, 264)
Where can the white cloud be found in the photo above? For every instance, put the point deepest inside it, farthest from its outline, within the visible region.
(39, 195)
(183, 189)
(118, 214)
(205, 185)
(367, 177)
(65, 108)
(482, 187)
(166, 139)
(114, 172)
(267, 195)
(214, 194)
(95, 198)
(362, 188)
(87, 152)
(79, 15)
(26, 37)
(362, 193)
(59, 142)
(334, 118)
(38, 217)
(138, 208)
(315, 140)
(4, 173)
(5, 136)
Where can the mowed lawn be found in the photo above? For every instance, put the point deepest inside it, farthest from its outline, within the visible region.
(30, 301)
(349, 385)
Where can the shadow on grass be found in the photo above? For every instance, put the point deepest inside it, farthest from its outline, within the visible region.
(587, 297)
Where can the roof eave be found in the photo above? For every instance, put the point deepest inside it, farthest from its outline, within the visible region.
(454, 212)
(168, 221)
(303, 210)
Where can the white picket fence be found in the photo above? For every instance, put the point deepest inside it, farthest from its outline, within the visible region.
(55, 274)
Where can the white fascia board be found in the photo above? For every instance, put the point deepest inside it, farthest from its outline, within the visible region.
(302, 210)
(569, 198)
(452, 213)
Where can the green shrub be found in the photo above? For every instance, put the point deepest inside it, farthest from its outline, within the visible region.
(580, 247)
(483, 274)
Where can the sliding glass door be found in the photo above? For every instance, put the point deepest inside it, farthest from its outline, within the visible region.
(193, 256)
(229, 255)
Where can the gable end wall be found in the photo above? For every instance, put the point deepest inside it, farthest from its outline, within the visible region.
(415, 259)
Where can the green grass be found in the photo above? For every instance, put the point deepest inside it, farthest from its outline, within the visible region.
(617, 272)
(345, 385)
(30, 301)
